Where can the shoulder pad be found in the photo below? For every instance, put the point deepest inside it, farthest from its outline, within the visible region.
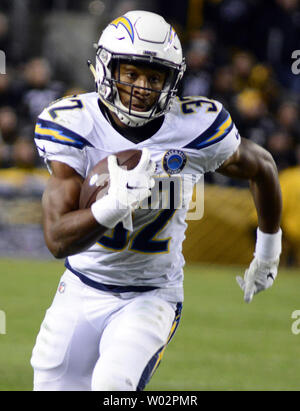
(66, 122)
(69, 112)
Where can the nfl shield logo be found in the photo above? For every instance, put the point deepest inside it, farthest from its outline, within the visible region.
(61, 287)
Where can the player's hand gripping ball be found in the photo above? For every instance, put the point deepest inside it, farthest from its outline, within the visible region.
(96, 185)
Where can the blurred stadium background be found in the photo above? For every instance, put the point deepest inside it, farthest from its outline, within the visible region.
(238, 52)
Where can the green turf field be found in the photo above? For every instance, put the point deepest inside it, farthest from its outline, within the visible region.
(221, 344)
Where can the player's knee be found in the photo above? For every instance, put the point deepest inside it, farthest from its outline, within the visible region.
(111, 380)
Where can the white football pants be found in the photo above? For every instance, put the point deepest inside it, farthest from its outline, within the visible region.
(94, 340)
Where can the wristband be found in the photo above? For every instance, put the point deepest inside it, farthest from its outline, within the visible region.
(268, 246)
(108, 211)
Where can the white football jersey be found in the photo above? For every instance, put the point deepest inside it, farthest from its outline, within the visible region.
(195, 137)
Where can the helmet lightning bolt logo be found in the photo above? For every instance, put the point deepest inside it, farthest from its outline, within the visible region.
(126, 23)
(172, 35)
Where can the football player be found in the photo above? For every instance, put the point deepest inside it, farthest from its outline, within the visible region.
(119, 301)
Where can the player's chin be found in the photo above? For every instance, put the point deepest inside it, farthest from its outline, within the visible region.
(138, 106)
(141, 109)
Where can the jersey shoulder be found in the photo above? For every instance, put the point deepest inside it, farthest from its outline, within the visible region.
(205, 130)
(196, 113)
(200, 105)
(64, 129)
(67, 121)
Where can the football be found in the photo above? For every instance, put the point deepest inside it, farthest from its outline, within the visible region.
(96, 185)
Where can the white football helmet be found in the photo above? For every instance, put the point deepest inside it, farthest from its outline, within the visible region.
(138, 37)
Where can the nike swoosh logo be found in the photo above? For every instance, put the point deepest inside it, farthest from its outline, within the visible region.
(270, 275)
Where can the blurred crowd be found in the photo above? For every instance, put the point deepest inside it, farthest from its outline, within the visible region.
(21, 101)
(238, 52)
(242, 56)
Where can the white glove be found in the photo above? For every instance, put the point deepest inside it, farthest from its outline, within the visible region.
(131, 187)
(128, 188)
(258, 277)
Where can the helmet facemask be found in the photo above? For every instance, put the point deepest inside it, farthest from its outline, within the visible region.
(106, 65)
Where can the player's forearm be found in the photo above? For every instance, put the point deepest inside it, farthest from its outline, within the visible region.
(266, 193)
(72, 233)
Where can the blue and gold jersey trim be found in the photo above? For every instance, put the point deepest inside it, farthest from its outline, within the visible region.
(155, 360)
(48, 130)
(219, 129)
(108, 287)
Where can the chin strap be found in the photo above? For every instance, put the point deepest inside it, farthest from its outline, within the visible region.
(123, 114)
